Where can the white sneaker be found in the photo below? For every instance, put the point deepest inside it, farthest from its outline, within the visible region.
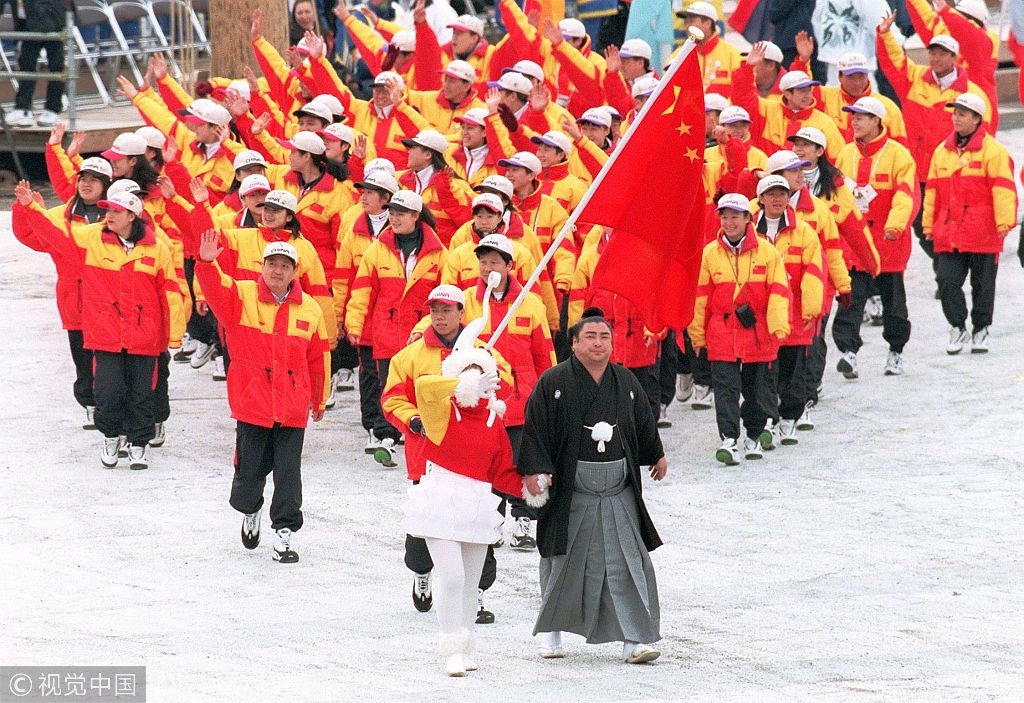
(958, 337)
(218, 368)
(728, 453)
(894, 364)
(806, 421)
(283, 551)
(979, 341)
(847, 365)
(385, 453)
(787, 432)
(137, 458)
(90, 418)
(752, 449)
(20, 119)
(122, 448)
(550, 645)
(521, 540)
(769, 437)
(109, 456)
(372, 443)
(637, 653)
(331, 400)
(160, 437)
(703, 398)
(344, 380)
(251, 530)
(203, 353)
(46, 118)
(684, 387)
(663, 420)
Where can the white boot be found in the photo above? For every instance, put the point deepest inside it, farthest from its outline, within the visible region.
(453, 647)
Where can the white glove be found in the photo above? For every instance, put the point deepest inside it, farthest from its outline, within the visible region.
(489, 382)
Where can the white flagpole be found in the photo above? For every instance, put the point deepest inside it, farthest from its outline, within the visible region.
(695, 35)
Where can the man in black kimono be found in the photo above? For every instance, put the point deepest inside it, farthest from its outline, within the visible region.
(589, 429)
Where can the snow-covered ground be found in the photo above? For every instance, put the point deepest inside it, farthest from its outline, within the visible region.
(878, 561)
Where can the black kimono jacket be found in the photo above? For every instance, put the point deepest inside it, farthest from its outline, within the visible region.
(551, 445)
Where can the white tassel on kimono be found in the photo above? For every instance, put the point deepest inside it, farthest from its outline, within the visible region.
(601, 433)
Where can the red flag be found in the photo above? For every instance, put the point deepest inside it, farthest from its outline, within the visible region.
(652, 197)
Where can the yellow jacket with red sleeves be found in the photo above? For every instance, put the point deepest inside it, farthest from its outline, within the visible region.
(859, 250)
(566, 188)
(923, 101)
(754, 276)
(815, 213)
(132, 300)
(384, 296)
(546, 217)
(581, 76)
(970, 199)
(832, 99)
(398, 400)
(592, 156)
(889, 169)
(525, 343)
(356, 235)
(774, 121)
(280, 361)
(719, 60)
(439, 112)
(448, 199)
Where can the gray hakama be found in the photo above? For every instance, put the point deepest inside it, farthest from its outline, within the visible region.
(603, 587)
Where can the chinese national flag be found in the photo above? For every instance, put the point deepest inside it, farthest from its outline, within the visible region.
(652, 196)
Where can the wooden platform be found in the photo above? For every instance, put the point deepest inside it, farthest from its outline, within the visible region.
(100, 125)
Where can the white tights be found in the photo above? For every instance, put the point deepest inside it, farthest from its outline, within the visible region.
(457, 568)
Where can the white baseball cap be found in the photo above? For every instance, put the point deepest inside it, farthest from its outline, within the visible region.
(496, 242)
(796, 79)
(123, 185)
(523, 159)
(125, 144)
(853, 62)
(615, 114)
(769, 182)
(527, 68)
(406, 200)
(428, 139)
(205, 111)
(468, 23)
(474, 115)
(460, 69)
(783, 160)
(970, 101)
(384, 77)
(772, 52)
(811, 134)
(596, 115)
(404, 40)
(379, 164)
(635, 49)
(304, 141)
(96, 166)
(316, 109)
(497, 184)
(554, 139)
(281, 249)
(946, 42)
(338, 133)
(733, 114)
(976, 9)
(122, 201)
(867, 106)
(155, 139)
(490, 201)
(242, 88)
(734, 201)
(516, 82)
(448, 294)
(715, 102)
(283, 200)
(248, 157)
(254, 183)
(572, 28)
(379, 179)
(702, 9)
(644, 85)
(332, 103)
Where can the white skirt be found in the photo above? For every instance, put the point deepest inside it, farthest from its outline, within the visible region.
(447, 505)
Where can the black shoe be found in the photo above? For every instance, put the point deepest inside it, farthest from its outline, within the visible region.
(183, 357)
(283, 552)
(422, 598)
(483, 615)
(251, 530)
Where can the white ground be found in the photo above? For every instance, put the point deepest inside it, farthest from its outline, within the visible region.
(879, 560)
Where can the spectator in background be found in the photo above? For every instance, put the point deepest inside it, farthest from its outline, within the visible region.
(789, 18)
(843, 26)
(39, 16)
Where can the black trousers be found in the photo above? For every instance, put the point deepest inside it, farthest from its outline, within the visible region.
(202, 328)
(344, 356)
(895, 316)
(83, 360)
(952, 270)
(382, 429)
(417, 559)
(817, 357)
(258, 451)
(560, 339)
(731, 379)
(695, 363)
(789, 383)
(161, 400)
(27, 61)
(123, 387)
(668, 368)
(650, 381)
(369, 389)
(927, 245)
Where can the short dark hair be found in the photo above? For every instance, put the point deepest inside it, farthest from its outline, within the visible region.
(589, 315)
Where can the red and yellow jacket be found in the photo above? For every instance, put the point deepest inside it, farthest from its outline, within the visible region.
(280, 361)
(581, 74)
(817, 215)
(384, 297)
(448, 199)
(774, 121)
(130, 301)
(525, 343)
(798, 245)
(399, 400)
(566, 188)
(970, 199)
(356, 237)
(859, 250)
(438, 111)
(719, 61)
(756, 277)
(922, 99)
(372, 47)
(832, 99)
(546, 217)
(889, 168)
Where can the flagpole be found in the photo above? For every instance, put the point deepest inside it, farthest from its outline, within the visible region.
(693, 37)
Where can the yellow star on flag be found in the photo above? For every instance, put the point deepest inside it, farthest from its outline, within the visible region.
(683, 129)
(691, 153)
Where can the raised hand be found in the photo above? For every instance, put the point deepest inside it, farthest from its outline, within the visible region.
(359, 147)
(397, 90)
(250, 78)
(551, 31)
(200, 193)
(56, 134)
(126, 88)
(419, 12)
(170, 151)
(756, 54)
(223, 132)
(886, 23)
(236, 103)
(539, 97)
(570, 127)
(492, 100)
(23, 191)
(209, 245)
(295, 59)
(166, 187)
(77, 139)
(260, 124)
(159, 66)
(804, 43)
(256, 29)
(533, 17)
(613, 62)
(341, 11)
(315, 44)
